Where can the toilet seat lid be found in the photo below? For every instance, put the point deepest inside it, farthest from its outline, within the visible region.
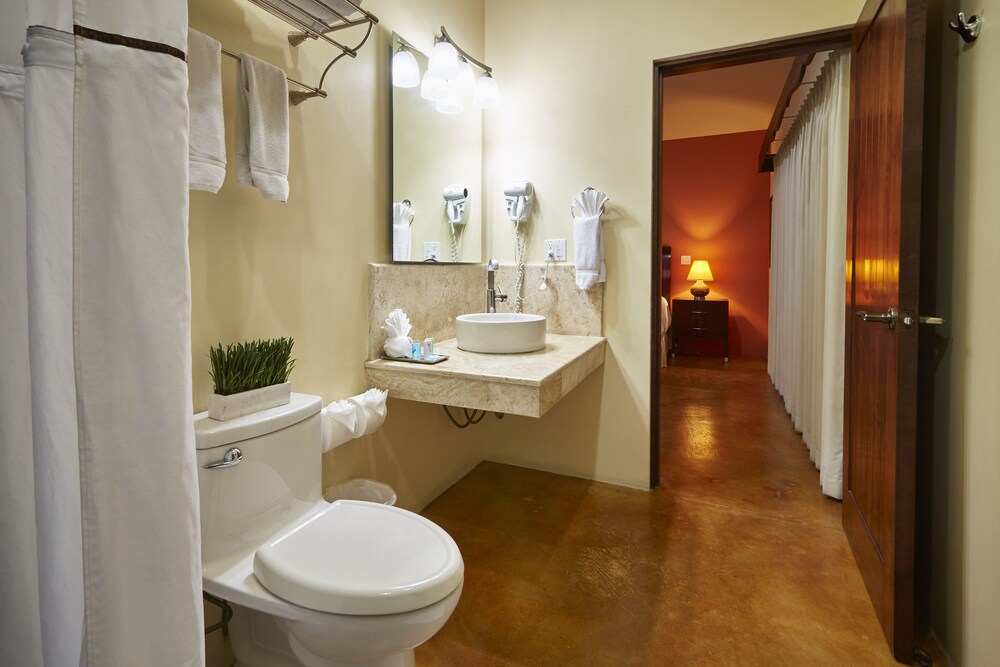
(361, 558)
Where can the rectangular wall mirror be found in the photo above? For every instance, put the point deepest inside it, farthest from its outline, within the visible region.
(432, 152)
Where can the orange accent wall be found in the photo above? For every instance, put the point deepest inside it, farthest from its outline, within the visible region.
(716, 206)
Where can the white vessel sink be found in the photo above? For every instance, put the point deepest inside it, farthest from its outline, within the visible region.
(500, 333)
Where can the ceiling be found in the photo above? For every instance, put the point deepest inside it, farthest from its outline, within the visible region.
(723, 101)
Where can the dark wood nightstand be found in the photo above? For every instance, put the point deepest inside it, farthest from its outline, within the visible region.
(694, 321)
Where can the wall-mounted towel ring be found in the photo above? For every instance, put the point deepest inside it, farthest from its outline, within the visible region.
(968, 29)
(575, 207)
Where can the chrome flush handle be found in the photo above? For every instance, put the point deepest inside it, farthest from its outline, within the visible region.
(888, 318)
(231, 458)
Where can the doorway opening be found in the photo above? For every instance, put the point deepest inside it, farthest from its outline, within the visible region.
(703, 327)
(881, 206)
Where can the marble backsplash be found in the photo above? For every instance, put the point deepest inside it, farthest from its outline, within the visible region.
(432, 295)
(567, 309)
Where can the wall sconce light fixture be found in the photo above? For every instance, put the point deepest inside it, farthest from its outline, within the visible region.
(449, 77)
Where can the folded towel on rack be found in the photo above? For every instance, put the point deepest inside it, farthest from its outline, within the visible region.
(316, 15)
(402, 216)
(588, 240)
(262, 127)
(206, 133)
(589, 246)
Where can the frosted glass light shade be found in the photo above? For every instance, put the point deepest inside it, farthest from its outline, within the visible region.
(443, 61)
(405, 71)
(464, 82)
(433, 88)
(452, 104)
(487, 94)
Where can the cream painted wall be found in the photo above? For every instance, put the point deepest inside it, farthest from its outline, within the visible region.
(264, 269)
(964, 541)
(577, 112)
(576, 77)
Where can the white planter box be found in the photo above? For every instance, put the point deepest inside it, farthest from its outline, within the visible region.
(224, 408)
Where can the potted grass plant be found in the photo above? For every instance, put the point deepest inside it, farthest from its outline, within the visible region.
(250, 376)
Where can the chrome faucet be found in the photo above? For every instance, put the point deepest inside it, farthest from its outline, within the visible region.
(492, 293)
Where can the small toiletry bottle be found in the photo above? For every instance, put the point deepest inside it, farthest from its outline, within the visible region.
(428, 347)
(415, 349)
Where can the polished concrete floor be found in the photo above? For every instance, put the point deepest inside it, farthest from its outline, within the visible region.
(737, 559)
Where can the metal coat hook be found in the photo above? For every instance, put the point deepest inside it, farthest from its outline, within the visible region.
(969, 28)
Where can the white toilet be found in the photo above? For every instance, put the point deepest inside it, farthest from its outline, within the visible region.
(313, 583)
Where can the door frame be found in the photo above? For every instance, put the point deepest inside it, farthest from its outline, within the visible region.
(821, 40)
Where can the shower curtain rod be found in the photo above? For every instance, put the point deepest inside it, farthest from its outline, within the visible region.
(316, 91)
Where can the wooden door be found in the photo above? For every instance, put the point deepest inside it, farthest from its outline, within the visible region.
(886, 130)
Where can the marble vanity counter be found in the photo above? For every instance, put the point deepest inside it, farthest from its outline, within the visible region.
(517, 384)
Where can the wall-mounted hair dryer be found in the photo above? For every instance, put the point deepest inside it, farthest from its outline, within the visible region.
(455, 197)
(519, 196)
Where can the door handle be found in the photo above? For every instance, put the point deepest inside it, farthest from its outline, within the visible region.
(923, 319)
(887, 318)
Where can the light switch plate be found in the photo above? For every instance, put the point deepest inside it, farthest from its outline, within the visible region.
(432, 250)
(555, 250)
(685, 259)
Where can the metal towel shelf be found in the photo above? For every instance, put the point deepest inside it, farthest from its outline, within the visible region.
(308, 30)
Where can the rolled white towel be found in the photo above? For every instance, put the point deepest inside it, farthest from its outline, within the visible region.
(340, 424)
(371, 410)
(589, 246)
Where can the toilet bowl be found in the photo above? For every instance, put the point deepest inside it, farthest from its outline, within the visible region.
(313, 583)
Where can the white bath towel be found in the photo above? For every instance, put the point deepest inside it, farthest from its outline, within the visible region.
(402, 216)
(262, 128)
(370, 409)
(206, 135)
(589, 244)
(588, 239)
(340, 424)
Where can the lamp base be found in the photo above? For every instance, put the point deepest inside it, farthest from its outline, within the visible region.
(699, 291)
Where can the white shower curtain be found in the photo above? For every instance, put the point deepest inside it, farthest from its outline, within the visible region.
(808, 240)
(100, 552)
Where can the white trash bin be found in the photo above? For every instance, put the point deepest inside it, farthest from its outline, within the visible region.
(361, 489)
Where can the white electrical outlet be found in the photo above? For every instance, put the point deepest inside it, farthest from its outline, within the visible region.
(685, 259)
(555, 250)
(432, 250)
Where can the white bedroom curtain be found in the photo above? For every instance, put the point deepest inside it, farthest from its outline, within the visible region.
(100, 551)
(808, 241)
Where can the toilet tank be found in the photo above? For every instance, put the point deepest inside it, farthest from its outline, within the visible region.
(277, 481)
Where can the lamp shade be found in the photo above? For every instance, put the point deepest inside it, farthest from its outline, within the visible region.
(451, 105)
(487, 95)
(700, 271)
(443, 62)
(405, 71)
(465, 81)
(433, 87)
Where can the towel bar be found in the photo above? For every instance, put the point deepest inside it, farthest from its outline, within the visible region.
(307, 22)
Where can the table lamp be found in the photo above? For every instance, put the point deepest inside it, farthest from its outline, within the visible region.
(701, 273)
